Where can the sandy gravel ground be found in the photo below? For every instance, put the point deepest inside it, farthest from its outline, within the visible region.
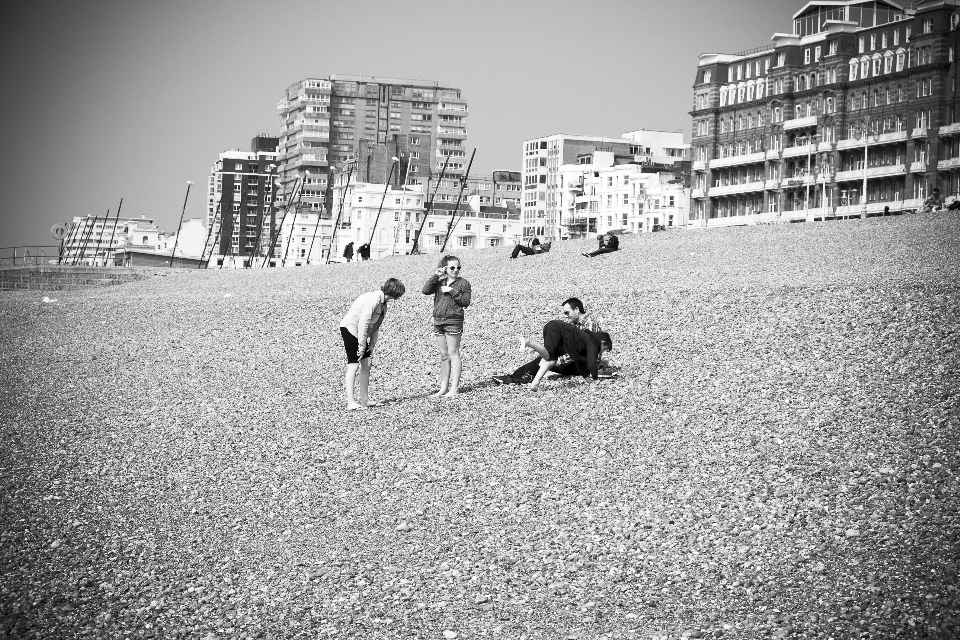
(776, 458)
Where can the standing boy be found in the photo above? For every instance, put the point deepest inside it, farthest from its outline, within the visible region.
(359, 330)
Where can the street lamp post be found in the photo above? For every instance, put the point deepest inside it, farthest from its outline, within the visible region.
(867, 132)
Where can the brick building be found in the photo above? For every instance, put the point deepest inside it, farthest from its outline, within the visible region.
(780, 132)
(240, 201)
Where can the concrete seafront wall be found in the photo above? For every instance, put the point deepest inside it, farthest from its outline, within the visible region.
(62, 278)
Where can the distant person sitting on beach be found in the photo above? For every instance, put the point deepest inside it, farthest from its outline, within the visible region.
(348, 252)
(933, 202)
(612, 244)
(534, 249)
(574, 313)
(359, 330)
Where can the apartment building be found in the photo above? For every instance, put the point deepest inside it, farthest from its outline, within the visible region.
(851, 113)
(241, 210)
(324, 120)
(547, 207)
(600, 196)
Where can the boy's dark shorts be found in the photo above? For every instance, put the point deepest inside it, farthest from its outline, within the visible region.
(352, 345)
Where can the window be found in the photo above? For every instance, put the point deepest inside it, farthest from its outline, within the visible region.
(707, 75)
(415, 140)
(928, 25)
(853, 69)
(816, 54)
(876, 66)
(739, 72)
(896, 37)
(864, 68)
(781, 59)
(900, 60)
(901, 94)
(766, 65)
(906, 33)
(954, 21)
(862, 46)
(806, 56)
(873, 41)
(730, 72)
(888, 64)
(832, 48)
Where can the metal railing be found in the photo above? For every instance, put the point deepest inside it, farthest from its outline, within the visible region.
(29, 256)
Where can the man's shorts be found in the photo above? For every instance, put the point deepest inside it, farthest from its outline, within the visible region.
(352, 346)
(453, 327)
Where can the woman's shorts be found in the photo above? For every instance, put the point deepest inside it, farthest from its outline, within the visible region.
(352, 345)
(453, 327)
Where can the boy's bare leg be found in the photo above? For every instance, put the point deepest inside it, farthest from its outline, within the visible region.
(456, 364)
(536, 346)
(348, 381)
(545, 365)
(363, 382)
(444, 364)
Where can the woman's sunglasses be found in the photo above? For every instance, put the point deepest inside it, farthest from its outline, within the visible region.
(453, 268)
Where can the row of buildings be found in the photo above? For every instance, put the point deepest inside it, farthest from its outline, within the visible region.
(851, 113)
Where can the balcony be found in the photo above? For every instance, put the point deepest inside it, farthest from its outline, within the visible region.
(772, 184)
(872, 172)
(797, 123)
(698, 193)
(732, 189)
(799, 181)
(950, 129)
(949, 164)
(918, 167)
(452, 132)
(800, 150)
(892, 137)
(825, 146)
(733, 161)
(773, 154)
(283, 106)
(919, 132)
(700, 165)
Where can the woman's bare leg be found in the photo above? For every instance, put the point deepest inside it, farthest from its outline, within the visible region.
(545, 365)
(349, 378)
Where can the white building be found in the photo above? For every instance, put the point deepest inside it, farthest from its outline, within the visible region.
(93, 240)
(547, 198)
(599, 196)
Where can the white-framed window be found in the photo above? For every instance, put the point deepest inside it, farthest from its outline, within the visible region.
(907, 31)
(861, 45)
(864, 68)
(954, 21)
(883, 40)
(873, 41)
(928, 25)
(888, 64)
(901, 58)
(832, 47)
(806, 56)
(854, 65)
(896, 37)
(816, 54)
(707, 75)
(876, 66)
(766, 65)
(739, 72)
(781, 59)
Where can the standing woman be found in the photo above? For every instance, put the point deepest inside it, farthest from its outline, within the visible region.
(451, 295)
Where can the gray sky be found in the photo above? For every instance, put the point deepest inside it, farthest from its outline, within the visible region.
(108, 99)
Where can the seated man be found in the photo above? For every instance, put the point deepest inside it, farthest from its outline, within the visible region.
(932, 203)
(611, 245)
(533, 249)
(584, 349)
(574, 312)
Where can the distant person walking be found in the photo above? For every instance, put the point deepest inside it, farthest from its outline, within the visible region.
(451, 295)
(612, 244)
(364, 251)
(360, 329)
(348, 252)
